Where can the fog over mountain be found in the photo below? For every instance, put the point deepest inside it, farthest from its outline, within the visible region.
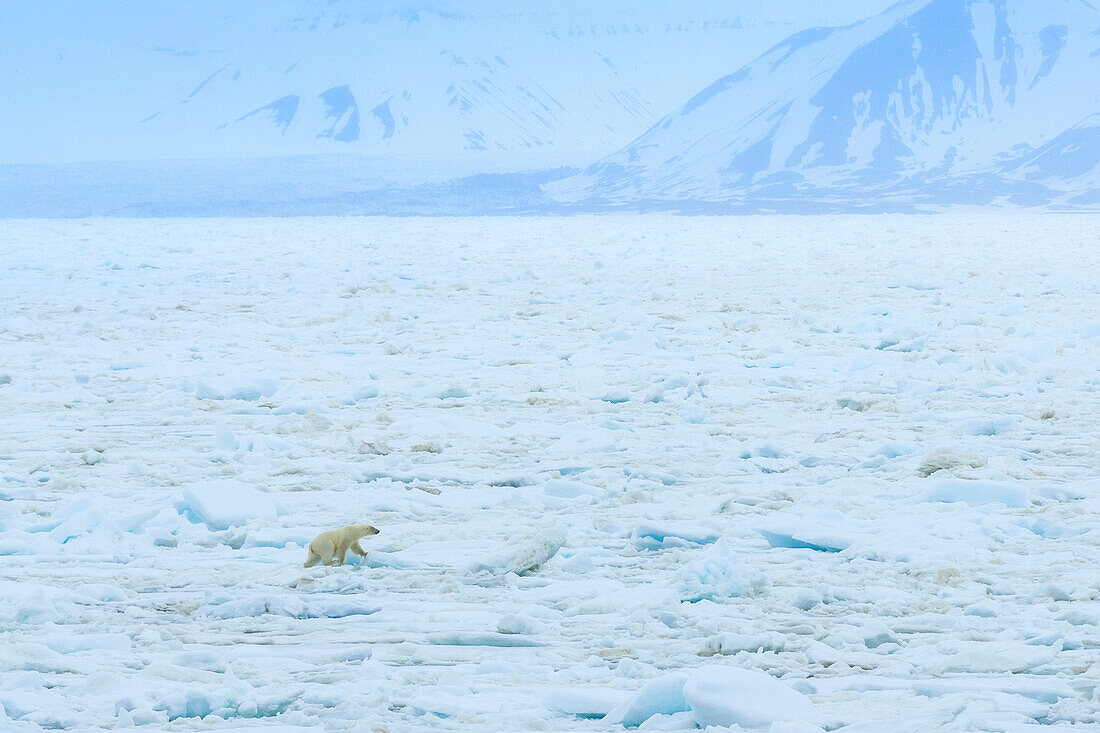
(302, 106)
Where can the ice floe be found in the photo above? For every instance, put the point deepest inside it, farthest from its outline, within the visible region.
(225, 503)
(728, 696)
(742, 464)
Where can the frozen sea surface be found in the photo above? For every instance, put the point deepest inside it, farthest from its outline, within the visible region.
(785, 473)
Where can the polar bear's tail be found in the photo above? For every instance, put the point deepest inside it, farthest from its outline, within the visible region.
(312, 560)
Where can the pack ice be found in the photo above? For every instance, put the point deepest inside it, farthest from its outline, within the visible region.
(654, 472)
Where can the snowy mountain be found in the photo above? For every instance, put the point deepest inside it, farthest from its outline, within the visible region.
(470, 87)
(931, 100)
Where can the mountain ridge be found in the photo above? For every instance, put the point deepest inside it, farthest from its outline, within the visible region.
(552, 82)
(302, 105)
(930, 99)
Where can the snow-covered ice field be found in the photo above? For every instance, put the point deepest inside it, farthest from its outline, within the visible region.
(787, 473)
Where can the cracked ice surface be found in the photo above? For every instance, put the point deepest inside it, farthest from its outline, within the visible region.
(855, 454)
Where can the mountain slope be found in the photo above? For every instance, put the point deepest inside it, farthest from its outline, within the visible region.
(939, 100)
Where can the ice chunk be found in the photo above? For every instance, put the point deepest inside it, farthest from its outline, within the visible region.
(807, 538)
(986, 426)
(364, 393)
(807, 598)
(894, 450)
(694, 415)
(271, 729)
(566, 489)
(520, 623)
(583, 702)
(18, 542)
(224, 438)
(942, 459)
(237, 387)
(226, 607)
(727, 696)
(33, 605)
(971, 657)
(480, 638)
(657, 536)
(339, 607)
(664, 695)
(675, 722)
(225, 503)
(280, 537)
(857, 403)
(379, 559)
(82, 642)
(729, 643)
(716, 574)
(439, 553)
(978, 492)
(82, 516)
(524, 555)
(103, 592)
(794, 726)
(232, 698)
(819, 528)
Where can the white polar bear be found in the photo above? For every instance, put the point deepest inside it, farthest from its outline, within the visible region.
(330, 547)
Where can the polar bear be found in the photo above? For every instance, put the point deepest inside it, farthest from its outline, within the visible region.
(331, 546)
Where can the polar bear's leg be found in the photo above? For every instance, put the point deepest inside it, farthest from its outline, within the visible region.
(340, 551)
(313, 559)
(322, 547)
(357, 549)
